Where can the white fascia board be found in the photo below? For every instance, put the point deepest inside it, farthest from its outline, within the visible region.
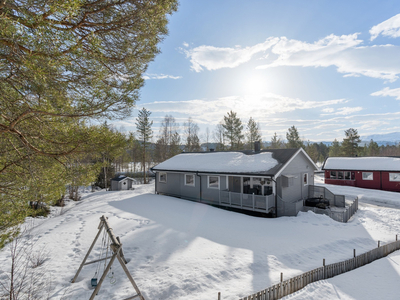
(291, 159)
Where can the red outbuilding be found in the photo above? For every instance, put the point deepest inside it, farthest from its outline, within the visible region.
(381, 173)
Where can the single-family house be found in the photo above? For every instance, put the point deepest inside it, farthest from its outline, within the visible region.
(382, 173)
(271, 181)
(122, 182)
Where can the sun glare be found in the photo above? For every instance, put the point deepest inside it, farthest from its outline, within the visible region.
(256, 85)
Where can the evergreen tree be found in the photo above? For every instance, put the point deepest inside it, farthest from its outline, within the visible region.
(335, 149)
(350, 142)
(233, 128)
(63, 63)
(276, 143)
(293, 138)
(312, 151)
(253, 133)
(373, 148)
(145, 133)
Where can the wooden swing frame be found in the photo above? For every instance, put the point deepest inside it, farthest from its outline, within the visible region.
(116, 247)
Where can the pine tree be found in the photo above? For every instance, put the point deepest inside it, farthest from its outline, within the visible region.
(293, 138)
(253, 133)
(145, 133)
(233, 128)
(335, 149)
(373, 148)
(350, 142)
(276, 143)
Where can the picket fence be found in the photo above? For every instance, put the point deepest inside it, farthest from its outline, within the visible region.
(294, 284)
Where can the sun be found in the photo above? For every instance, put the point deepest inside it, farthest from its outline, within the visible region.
(256, 85)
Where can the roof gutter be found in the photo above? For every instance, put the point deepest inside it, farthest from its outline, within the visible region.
(219, 173)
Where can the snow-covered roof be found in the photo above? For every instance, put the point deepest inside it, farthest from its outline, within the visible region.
(363, 163)
(122, 178)
(221, 162)
(267, 162)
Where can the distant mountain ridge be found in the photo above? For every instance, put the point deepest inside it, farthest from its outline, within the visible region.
(388, 137)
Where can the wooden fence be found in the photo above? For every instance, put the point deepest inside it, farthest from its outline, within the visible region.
(294, 284)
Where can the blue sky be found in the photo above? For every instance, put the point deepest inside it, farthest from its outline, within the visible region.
(323, 66)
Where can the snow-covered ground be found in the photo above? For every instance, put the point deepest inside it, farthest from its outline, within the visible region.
(184, 250)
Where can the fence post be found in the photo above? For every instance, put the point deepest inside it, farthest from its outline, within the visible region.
(219, 295)
(281, 277)
(354, 252)
(396, 237)
(379, 244)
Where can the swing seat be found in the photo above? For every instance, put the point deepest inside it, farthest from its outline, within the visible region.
(93, 282)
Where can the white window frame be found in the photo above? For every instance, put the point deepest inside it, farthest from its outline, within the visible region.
(194, 180)
(365, 175)
(159, 177)
(208, 182)
(305, 176)
(332, 177)
(395, 177)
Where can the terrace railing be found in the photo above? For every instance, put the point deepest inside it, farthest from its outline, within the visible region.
(247, 201)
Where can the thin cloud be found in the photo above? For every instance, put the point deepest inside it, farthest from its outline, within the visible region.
(390, 28)
(259, 107)
(344, 52)
(343, 111)
(214, 58)
(160, 76)
(388, 92)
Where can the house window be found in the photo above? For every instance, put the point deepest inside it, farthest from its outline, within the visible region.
(162, 177)
(305, 178)
(213, 182)
(347, 175)
(189, 179)
(394, 176)
(333, 174)
(340, 175)
(367, 176)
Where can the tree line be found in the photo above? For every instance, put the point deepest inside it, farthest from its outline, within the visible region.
(231, 134)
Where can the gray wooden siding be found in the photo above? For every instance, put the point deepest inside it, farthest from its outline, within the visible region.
(297, 167)
(172, 186)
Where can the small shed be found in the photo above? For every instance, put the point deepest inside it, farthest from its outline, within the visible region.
(381, 173)
(122, 182)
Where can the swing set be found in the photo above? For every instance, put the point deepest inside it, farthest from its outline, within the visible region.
(111, 249)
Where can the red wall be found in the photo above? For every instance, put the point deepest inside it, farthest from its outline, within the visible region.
(389, 185)
(380, 181)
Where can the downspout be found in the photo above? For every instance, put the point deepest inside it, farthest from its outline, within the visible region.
(201, 193)
(276, 197)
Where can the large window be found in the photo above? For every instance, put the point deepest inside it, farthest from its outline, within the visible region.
(367, 176)
(162, 177)
(189, 179)
(394, 176)
(347, 175)
(333, 174)
(213, 182)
